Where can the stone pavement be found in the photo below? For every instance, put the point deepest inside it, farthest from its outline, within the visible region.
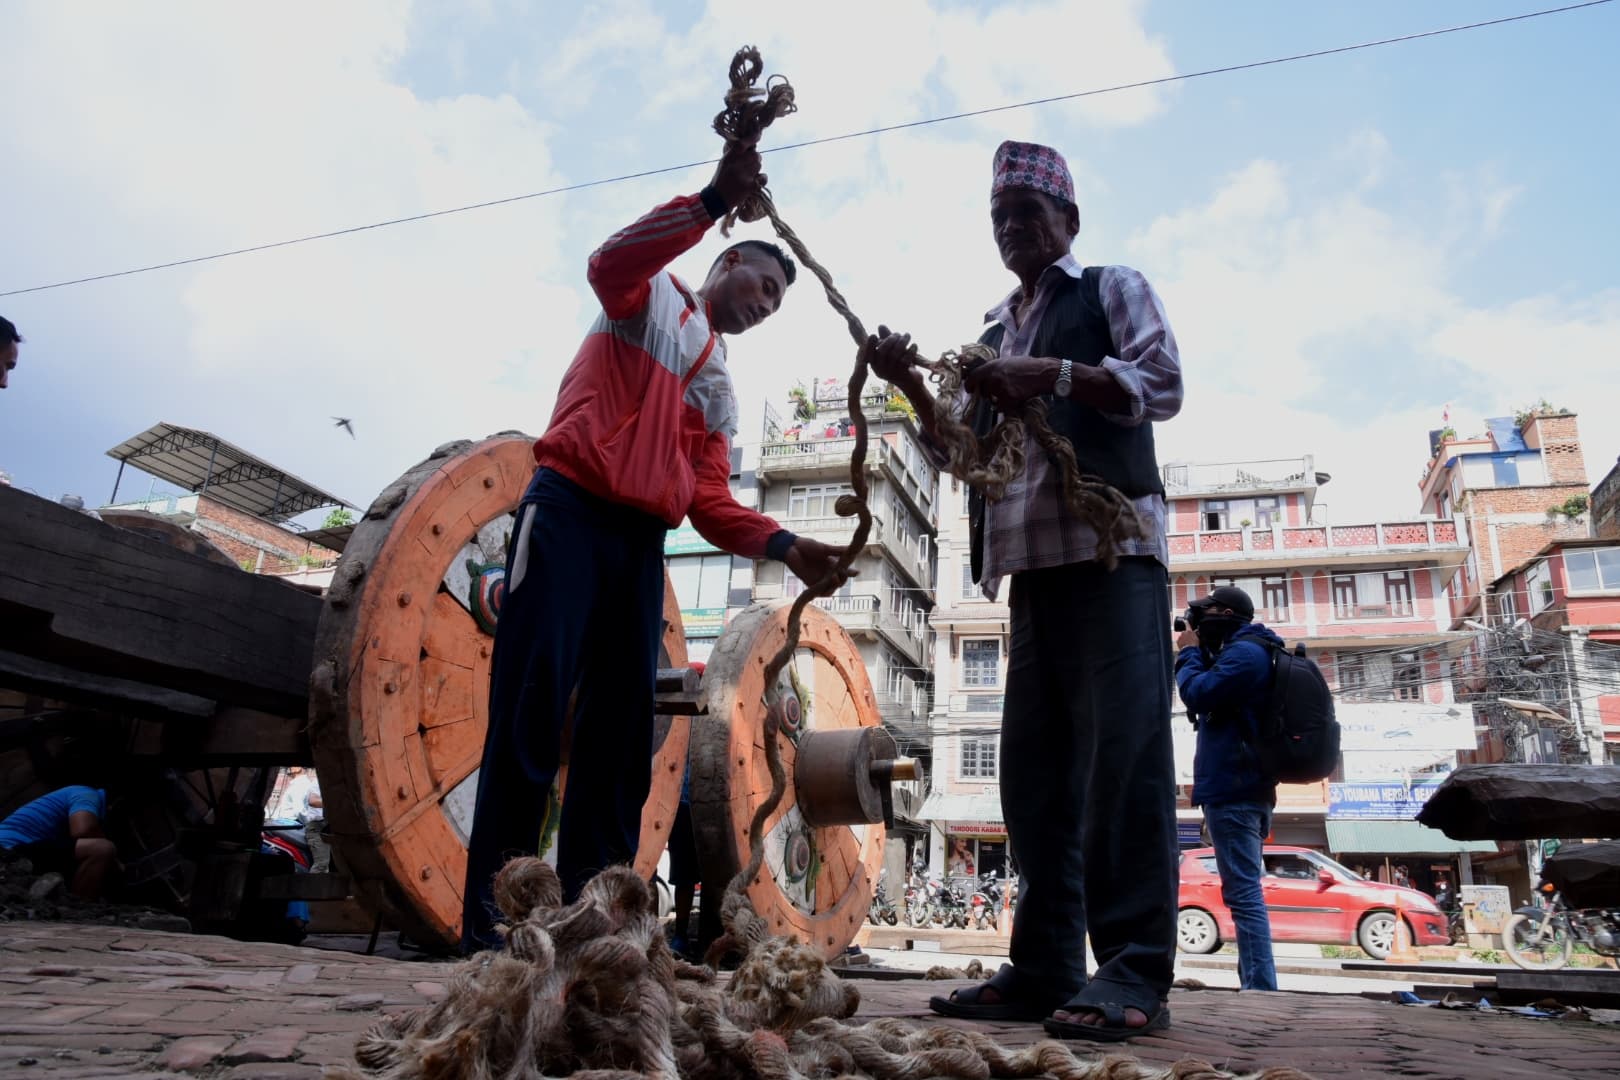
(94, 1001)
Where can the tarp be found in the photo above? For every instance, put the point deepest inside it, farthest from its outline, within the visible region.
(1396, 838)
(1526, 802)
(1587, 874)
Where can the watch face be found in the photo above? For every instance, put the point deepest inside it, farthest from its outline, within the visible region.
(1061, 389)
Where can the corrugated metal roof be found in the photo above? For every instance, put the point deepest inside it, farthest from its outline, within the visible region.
(201, 461)
(1397, 838)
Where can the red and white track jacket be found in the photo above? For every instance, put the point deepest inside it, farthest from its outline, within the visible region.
(646, 412)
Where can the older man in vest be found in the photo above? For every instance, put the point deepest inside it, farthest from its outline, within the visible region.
(1088, 782)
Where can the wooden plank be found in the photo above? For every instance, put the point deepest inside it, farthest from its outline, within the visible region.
(60, 682)
(231, 736)
(83, 594)
(306, 887)
(1591, 988)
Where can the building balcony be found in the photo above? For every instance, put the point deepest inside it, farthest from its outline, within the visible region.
(862, 616)
(1442, 543)
(822, 459)
(881, 540)
(979, 705)
(1242, 477)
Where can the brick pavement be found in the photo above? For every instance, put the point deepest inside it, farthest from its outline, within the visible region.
(94, 1001)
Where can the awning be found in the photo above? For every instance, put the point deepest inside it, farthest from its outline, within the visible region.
(1397, 838)
(940, 806)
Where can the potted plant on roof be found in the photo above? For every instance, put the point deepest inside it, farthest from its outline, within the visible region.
(804, 407)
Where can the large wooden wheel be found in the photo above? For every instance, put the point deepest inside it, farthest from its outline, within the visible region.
(400, 692)
(816, 883)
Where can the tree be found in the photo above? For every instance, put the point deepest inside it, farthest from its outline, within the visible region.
(338, 518)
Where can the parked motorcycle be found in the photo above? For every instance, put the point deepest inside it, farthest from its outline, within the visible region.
(986, 902)
(948, 904)
(918, 912)
(882, 909)
(1541, 938)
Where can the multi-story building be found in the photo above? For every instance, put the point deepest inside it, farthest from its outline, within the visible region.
(1518, 487)
(803, 469)
(1552, 683)
(1369, 601)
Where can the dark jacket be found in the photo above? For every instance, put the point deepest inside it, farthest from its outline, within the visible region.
(1223, 695)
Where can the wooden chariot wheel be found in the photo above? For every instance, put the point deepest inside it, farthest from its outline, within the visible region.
(816, 883)
(399, 696)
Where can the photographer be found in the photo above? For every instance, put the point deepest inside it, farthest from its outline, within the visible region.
(1223, 671)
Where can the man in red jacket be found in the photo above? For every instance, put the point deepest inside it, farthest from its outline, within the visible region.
(640, 438)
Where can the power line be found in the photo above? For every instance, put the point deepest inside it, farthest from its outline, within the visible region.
(908, 125)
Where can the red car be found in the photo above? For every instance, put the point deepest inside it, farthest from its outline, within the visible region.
(1310, 899)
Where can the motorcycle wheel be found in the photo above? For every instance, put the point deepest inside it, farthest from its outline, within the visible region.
(891, 917)
(918, 915)
(1534, 948)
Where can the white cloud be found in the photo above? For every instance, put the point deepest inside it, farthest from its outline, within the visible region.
(1312, 320)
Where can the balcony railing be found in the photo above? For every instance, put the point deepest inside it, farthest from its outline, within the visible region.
(865, 611)
(1281, 474)
(839, 529)
(920, 485)
(1398, 536)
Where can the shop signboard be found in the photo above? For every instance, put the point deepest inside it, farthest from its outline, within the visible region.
(703, 622)
(1398, 725)
(686, 540)
(1387, 800)
(993, 830)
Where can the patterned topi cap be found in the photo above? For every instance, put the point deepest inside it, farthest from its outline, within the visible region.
(1031, 165)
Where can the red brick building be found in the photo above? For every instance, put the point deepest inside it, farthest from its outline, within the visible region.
(1512, 488)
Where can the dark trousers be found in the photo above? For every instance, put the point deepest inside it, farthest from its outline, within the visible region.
(587, 610)
(1088, 781)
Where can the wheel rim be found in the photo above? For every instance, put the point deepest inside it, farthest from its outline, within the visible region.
(1194, 930)
(815, 882)
(1531, 948)
(1380, 935)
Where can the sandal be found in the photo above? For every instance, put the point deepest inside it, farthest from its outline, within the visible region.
(964, 1004)
(1112, 1029)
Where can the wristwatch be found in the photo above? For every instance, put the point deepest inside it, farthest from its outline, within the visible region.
(1065, 381)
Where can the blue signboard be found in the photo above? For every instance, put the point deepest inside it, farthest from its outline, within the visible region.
(1384, 800)
(1190, 834)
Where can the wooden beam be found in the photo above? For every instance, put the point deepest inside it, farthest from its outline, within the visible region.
(57, 681)
(232, 736)
(306, 887)
(83, 594)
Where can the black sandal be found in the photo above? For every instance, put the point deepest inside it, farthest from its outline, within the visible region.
(1112, 1029)
(964, 1004)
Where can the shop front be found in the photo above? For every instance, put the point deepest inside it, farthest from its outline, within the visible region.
(1371, 829)
(967, 835)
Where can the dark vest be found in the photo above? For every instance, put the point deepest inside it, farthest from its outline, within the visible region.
(1075, 327)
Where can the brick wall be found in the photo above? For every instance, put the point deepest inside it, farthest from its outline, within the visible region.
(1559, 439)
(1509, 525)
(1605, 510)
(255, 544)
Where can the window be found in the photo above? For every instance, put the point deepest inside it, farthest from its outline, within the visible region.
(1398, 592)
(1352, 678)
(815, 500)
(1603, 660)
(979, 759)
(701, 581)
(1215, 515)
(1372, 596)
(1292, 867)
(981, 662)
(1539, 582)
(1275, 592)
(1508, 604)
(1408, 678)
(1594, 570)
(969, 590)
(1266, 512)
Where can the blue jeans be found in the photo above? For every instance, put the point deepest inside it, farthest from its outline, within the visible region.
(1239, 830)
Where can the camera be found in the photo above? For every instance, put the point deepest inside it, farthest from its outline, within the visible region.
(1180, 624)
(1195, 613)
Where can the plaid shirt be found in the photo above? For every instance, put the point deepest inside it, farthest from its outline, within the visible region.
(1031, 528)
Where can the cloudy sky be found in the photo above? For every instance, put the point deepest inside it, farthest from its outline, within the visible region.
(1344, 245)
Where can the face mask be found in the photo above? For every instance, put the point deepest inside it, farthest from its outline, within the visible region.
(1214, 630)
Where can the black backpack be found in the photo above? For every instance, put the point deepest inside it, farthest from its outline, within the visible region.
(1298, 737)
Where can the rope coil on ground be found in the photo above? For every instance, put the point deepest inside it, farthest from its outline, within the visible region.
(592, 989)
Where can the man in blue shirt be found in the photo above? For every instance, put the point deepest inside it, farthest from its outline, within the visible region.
(62, 831)
(1223, 670)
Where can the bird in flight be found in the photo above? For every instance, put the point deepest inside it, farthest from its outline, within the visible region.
(345, 423)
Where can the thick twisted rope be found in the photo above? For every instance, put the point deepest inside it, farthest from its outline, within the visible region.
(592, 990)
